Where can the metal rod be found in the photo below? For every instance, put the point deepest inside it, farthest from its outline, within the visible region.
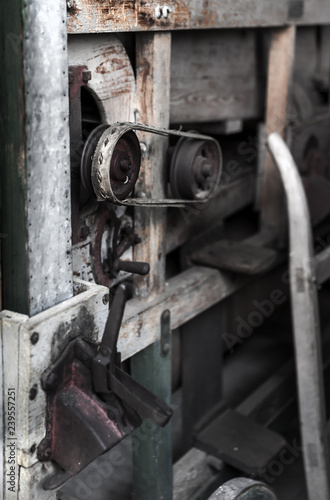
(152, 455)
(306, 325)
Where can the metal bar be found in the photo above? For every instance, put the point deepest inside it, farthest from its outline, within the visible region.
(35, 176)
(306, 325)
(152, 459)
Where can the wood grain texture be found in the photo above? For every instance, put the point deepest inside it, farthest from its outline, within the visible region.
(153, 55)
(113, 80)
(280, 66)
(88, 16)
(214, 76)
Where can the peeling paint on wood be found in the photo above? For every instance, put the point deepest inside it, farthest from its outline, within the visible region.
(88, 16)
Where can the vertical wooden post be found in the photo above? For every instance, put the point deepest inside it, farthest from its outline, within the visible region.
(280, 64)
(152, 458)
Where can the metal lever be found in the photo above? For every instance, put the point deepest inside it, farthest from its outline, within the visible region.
(108, 377)
(141, 268)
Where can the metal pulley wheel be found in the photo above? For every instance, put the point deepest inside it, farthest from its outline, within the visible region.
(242, 488)
(195, 169)
(120, 165)
(116, 163)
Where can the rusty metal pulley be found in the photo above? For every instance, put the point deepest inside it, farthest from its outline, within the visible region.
(195, 168)
(116, 160)
(123, 167)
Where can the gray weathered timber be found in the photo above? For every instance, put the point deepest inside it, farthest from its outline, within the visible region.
(214, 76)
(153, 56)
(280, 66)
(113, 80)
(36, 253)
(306, 326)
(87, 16)
(315, 12)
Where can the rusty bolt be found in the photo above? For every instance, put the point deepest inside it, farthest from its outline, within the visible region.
(86, 76)
(34, 338)
(166, 349)
(105, 299)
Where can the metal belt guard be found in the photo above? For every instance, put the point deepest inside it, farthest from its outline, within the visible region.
(102, 157)
(92, 404)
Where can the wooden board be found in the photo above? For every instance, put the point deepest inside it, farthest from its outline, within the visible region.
(113, 80)
(280, 66)
(153, 96)
(214, 76)
(88, 16)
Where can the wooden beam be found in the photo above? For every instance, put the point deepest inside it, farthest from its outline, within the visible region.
(280, 64)
(90, 17)
(152, 82)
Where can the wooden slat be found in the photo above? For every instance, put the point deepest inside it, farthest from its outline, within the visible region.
(205, 83)
(153, 95)
(280, 64)
(88, 16)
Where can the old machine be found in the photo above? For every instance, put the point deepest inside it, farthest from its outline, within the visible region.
(165, 249)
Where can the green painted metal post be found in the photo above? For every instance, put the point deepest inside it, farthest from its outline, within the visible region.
(152, 445)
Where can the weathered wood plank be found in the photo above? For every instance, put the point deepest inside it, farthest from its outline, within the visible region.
(153, 95)
(214, 76)
(87, 16)
(315, 12)
(113, 80)
(280, 65)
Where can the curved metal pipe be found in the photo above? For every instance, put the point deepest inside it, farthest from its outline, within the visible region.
(306, 325)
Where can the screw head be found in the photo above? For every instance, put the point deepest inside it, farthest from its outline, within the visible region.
(105, 299)
(34, 338)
